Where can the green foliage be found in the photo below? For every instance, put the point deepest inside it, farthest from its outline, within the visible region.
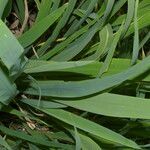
(74, 74)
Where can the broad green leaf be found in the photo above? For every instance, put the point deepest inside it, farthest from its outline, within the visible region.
(89, 127)
(59, 47)
(77, 139)
(56, 4)
(12, 111)
(94, 48)
(35, 66)
(81, 13)
(117, 7)
(112, 105)
(106, 35)
(7, 89)
(3, 4)
(66, 88)
(33, 139)
(60, 25)
(43, 103)
(136, 36)
(77, 25)
(145, 39)
(40, 27)
(92, 69)
(79, 44)
(33, 147)
(87, 87)
(7, 10)
(11, 53)
(88, 143)
(130, 14)
(143, 21)
(144, 3)
(111, 52)
(75, 36)
(19, 7)
(1, 105)
(60, 135)
(117, 65)
(108, 10)
(4, 143)
(19, 114)
(44, 9)
(141, 12)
